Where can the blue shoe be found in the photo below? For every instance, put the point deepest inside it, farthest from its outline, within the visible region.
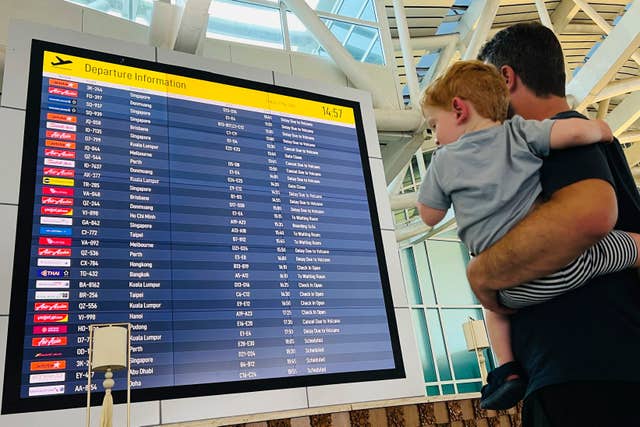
(500, 393)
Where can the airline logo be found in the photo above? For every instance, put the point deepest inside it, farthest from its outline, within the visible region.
(48, 341)
(46, 390)
(54, 262)
(55, 107)
(60, 201)
(61, 126)
(46, 378)
(60, 144)
(61, 154)
(63, 83)
(49, 365)
(54, 251)
(48, 295)
(55, 241)
(51, 220)
(50, 318)
(67, 101)
(58, 181)
(52, 191)
(55, 231)
(52, 272)
(52, 284)
(60, 162)
(54, 329)
(63, 92)
(54, 210)
(51, 306)
(62, 118)
(66, 136)
(67, 173)
(48, 354)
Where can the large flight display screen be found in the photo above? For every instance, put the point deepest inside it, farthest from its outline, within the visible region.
(231, 222)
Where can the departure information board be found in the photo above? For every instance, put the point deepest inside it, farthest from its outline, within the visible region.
(232, 223)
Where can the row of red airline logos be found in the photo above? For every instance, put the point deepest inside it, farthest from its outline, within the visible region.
(56, 210)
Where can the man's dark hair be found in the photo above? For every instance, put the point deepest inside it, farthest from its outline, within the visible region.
(534, 53)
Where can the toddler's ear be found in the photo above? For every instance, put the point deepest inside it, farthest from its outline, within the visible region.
(461, 108)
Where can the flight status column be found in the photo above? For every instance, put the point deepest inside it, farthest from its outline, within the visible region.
(335, 280)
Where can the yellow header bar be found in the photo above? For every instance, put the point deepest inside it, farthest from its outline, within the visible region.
(89, 69)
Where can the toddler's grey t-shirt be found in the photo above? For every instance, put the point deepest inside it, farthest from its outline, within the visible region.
(490, 176)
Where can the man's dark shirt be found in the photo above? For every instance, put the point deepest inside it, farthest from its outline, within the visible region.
(591, 333)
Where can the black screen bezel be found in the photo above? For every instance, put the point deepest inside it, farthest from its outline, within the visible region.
(12, 402)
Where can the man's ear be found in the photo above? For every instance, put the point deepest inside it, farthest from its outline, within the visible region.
(509, 77)
(461, 108)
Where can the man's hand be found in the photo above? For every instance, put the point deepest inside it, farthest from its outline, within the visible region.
(487, 297)
(547, 239)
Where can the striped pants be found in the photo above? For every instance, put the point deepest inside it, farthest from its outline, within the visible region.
(615, 252)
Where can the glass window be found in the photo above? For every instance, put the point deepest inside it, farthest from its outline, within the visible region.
(412, 279)
(424, 346)
(465, 363)
(301, 38)
(245, 23)
(448, 262)
(375, 55)
(434, 329)
(142, 15)
(350, 8)
(424, 274)
(118, 8)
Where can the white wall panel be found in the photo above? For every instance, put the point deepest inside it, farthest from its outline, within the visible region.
(371, 136)
(394, 268)
(219, 67)
(262, 57)
(12, 125)
(14, 88)
(382, 197)
(198, 408)
(8, 216)
(102, 24)
(216, 49)
(318, 69)
(411, 386)
(58, 13)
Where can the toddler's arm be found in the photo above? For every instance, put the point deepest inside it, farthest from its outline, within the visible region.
(573, 132)
(429, 215)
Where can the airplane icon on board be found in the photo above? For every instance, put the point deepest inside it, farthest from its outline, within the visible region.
(61, 62)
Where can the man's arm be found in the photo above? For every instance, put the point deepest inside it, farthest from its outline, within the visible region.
(573, 132)
(551, 236)
(430, 216)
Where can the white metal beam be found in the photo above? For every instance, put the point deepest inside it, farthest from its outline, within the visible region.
(633, 155)
(618, 87)
(563, 14)
(629, 136)
(623, 40)
(403, 201)
(388, 120)
(603, 108)
(395, 161)
(602, 23)
(407, 52)
(163, 28)
(430, 43)
(625, 114)
(193, 25)
(338, 53)
(480, 27)
(544, 14)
